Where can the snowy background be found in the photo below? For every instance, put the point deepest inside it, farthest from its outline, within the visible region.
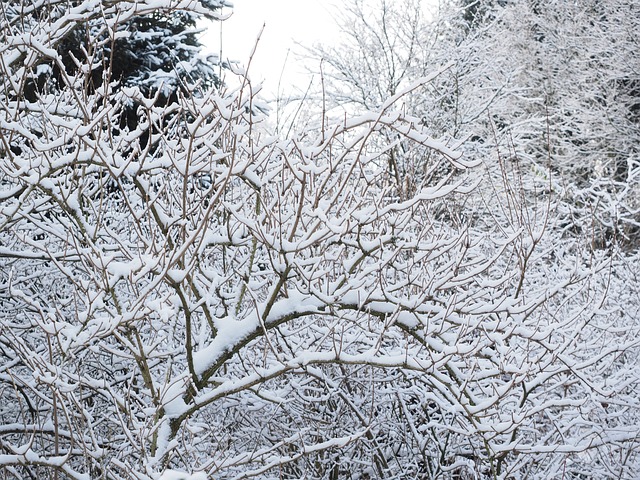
(287, 25)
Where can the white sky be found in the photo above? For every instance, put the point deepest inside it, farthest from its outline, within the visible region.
(285, 23)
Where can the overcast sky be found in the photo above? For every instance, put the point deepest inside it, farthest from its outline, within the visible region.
(285, 23)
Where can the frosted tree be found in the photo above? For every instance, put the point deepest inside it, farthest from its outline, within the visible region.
(566, 95)
(495, 94)
(551, 84)
(188, 297)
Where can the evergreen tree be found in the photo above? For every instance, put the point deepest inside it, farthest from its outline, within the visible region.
(157, 52)
(150, 47)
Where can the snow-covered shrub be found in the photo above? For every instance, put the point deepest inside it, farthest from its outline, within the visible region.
(188, 297)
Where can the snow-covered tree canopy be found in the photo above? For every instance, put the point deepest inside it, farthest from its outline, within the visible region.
(186, 296)
(554, 84)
